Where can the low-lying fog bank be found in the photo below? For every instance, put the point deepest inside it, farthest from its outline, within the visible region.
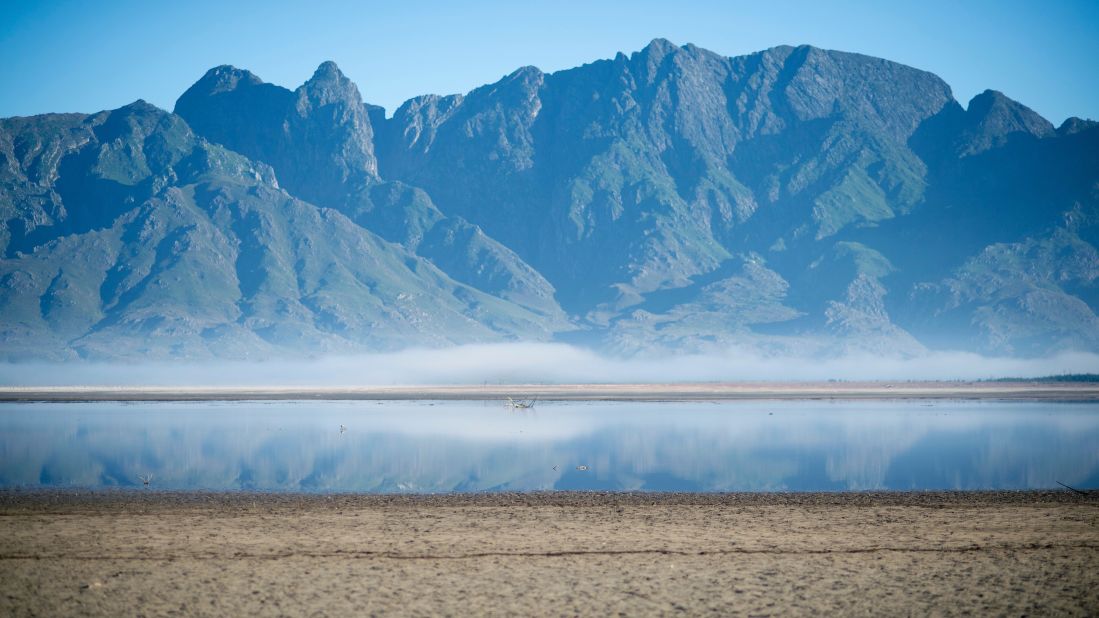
(531, 363)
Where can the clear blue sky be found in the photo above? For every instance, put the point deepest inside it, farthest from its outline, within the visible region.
(86, 56)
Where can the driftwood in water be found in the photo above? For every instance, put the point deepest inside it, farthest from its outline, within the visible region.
(1082, 493)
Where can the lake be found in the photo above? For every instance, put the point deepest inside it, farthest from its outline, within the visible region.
(427, 447)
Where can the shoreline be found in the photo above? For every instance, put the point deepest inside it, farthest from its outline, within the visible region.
(109, 498)
(679, 392)
(577, 553)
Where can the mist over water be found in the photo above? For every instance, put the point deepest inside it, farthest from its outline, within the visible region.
(425, 446)
(539, 363)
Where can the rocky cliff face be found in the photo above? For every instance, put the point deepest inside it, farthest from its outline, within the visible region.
(794, 199)
(317, 137)
(647, 170)
(320, 141)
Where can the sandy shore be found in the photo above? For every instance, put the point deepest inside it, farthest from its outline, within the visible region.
(1034, 391)
(136, 553)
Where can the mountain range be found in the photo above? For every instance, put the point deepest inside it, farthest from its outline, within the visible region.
(795, 200)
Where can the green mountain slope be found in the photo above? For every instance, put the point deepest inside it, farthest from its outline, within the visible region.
(795, 200)
(648, 176)
(207, 256)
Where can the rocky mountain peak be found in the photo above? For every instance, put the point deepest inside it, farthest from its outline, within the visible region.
(141, 105)
(225, 78)
(329, 85)
(658, 48)
(652, 57)
(327, 70)
(993, 119)
(139, 113)
(139, 120)
(1075, 125)
(526, 73)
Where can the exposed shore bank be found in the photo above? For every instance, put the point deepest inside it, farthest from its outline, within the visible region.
(125, 553)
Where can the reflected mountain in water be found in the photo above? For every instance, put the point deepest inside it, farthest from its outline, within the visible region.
(422, 447)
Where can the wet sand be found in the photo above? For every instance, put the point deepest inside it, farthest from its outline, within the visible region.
(147, 553)
(1032, 391)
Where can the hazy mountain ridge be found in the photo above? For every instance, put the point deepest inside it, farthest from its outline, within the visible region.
(319, 139)
(638, 153)
(795, 199)
(207, 256)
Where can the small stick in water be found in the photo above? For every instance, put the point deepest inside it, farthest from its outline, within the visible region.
(1082, 493)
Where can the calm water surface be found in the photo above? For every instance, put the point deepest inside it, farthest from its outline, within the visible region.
(421, 447)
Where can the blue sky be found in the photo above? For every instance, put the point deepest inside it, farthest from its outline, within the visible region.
(86, 56)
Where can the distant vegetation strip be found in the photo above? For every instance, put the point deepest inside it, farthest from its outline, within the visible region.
(1064, 377)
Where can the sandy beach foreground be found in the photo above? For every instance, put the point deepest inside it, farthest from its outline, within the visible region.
(138, 553)
(700, 391)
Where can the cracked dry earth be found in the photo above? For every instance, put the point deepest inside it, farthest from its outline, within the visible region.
(138, 553)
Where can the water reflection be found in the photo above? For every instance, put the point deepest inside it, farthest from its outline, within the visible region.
(442, 447)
